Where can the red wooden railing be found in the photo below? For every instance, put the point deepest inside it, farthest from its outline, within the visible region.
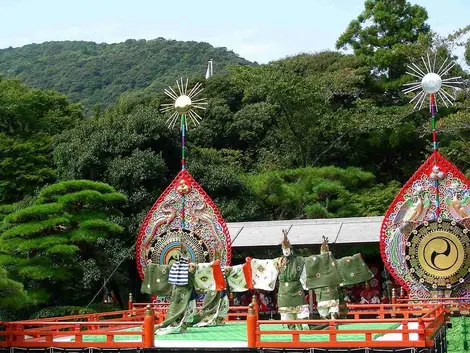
(427, 317)
(428, 325)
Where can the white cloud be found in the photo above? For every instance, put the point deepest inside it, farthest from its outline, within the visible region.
(246, 43)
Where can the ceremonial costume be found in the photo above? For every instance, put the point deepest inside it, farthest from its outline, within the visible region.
(156, 280)
(183, 296)
(215, 305)
(290, 297)
(326, 276)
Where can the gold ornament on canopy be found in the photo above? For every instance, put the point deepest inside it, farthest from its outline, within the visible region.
(184, 103)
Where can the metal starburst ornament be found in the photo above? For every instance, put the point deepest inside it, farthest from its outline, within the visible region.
(184, 103)
(432, 83)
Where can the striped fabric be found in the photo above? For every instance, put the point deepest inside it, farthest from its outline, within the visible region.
(179, 273)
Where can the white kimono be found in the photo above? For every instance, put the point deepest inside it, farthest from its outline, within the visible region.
(264, 274)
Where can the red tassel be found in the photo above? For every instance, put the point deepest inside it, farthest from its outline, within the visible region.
(220, 284)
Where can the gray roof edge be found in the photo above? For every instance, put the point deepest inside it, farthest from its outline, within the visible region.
(340, 230)
(313, 221)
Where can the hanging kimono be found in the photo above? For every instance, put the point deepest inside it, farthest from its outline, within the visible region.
(204, 277)
(216, 305)
(264, 274)
(156, 280)
(182, 301)
(327, 276)
(237, 281)
(353, 270)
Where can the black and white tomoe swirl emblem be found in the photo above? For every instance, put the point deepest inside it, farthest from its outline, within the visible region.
(438, 254)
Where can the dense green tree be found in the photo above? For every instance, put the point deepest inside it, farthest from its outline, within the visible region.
(220, 173)
(319, 193)
(12, 293)
(388, 32)
(129, 147)
(29, 119)
(467, 52)
(42, 245)
(97, 74)
(308, 102)
(455, 135)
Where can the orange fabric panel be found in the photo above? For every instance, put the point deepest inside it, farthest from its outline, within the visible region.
(247, 273)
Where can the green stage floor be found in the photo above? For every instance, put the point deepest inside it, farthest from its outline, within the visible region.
(237, 332)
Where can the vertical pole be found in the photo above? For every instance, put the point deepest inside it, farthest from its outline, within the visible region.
(434, 146)
(310, 302)
(332, 329)
(254, 301)
(421, 330)
(251, 323)
(183, 165)
(130, 303)
(405, 334)
(149, 328)
(183, 141)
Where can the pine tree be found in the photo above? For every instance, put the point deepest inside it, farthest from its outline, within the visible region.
(42, 245)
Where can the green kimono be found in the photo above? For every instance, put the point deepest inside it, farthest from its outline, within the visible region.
(326, 276)
(182, 308)
(156, 280)
(214, 309)
(330, 302)
(290, 297)
(353, 270)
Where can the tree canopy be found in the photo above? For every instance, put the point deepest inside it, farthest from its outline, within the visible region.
(12, 293)
(42, 244)
(29, 119)
(97, 74)
(388, 32)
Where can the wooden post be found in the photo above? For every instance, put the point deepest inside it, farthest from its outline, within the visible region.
(394, 301)
(149, 328)
(251, 323)
(421, 331)
(402, 293)
(130, 303)
(405, 335)
(310, 302)
(254, 301)
(332, 328)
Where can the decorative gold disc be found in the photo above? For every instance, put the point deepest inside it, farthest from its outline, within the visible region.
(166, 248)
(438, 253)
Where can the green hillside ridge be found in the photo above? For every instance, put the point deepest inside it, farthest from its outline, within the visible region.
(97, 74)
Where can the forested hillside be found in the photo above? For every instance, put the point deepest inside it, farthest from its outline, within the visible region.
(97, 74)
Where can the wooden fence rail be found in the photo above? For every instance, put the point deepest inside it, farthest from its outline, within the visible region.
(104, 329)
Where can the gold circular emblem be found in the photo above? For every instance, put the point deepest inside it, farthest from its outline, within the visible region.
(437, 253)
(441, 253)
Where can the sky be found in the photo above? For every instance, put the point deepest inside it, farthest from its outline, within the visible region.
(257, 30)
